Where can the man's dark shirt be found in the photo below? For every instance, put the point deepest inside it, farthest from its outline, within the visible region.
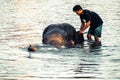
(93, 17)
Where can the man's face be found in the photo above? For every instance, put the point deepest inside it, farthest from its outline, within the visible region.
(79, 12)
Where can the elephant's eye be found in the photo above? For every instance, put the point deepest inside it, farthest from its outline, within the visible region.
(68, 37)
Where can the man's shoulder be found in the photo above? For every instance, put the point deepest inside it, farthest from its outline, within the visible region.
(86, 10)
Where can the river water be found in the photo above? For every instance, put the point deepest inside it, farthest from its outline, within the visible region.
(22, 23)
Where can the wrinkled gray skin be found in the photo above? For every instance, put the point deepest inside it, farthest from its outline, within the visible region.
(59, 35)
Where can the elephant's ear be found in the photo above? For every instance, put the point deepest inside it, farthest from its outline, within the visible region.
(79, 38)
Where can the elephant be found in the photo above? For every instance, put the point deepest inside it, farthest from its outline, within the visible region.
(59, 35)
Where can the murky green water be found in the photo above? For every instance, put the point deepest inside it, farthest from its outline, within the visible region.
(22, 23)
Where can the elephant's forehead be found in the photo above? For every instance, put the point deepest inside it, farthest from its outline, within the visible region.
(55, 32)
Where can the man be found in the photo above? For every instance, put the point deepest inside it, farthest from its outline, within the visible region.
(89, 19)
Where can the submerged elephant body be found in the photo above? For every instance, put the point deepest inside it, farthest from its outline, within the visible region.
(59, 35)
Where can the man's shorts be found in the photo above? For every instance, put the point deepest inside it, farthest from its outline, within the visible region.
(96, 32)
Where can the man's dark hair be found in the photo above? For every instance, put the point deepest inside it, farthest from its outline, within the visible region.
(76, 8)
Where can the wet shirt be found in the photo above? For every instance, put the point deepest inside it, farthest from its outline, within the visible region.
(93, 17)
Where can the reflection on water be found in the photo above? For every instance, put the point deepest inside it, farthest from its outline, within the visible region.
(22, 23)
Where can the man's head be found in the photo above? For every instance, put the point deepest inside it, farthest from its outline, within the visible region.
(78, 9)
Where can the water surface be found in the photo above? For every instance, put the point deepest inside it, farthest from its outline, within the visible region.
(22, 23)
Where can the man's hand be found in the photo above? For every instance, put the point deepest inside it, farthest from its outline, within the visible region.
(84, 27)
(81, 31)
